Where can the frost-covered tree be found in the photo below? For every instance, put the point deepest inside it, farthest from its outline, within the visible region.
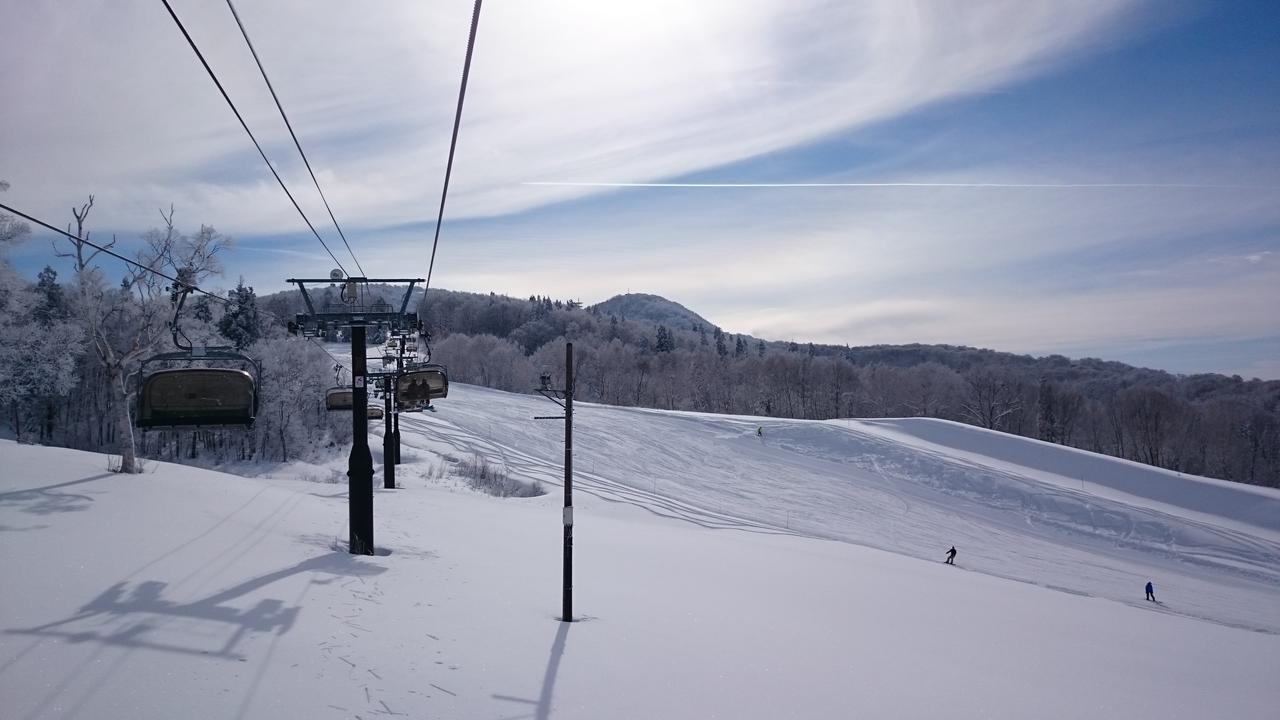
(38, 348)
(240, 322)
(991, 398)
(125, 323)
(12, 230)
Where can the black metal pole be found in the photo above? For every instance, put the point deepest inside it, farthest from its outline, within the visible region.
(393, 386)
(568, 483)
(360, 463)
(388, 446)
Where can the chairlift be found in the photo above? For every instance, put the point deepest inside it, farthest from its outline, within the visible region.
(375, 412)
(417, 388)
(338, 399)
(196, 396)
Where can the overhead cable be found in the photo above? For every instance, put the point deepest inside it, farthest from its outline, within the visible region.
(292, 134)
(453, 143)
(100, 248)
(140, 266)
(245, 125)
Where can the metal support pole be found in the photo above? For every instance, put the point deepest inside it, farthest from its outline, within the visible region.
(568, 483)
(388, 442)
(360, 463)
(394, 387)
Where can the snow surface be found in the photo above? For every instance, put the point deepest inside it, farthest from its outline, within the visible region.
(718, 574)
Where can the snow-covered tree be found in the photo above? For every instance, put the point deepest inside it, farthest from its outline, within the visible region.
(240, 322)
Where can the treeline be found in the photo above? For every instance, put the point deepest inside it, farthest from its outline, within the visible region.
(70, 353)
(1213, 425)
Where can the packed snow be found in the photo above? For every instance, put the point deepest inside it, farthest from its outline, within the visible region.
(730, 567)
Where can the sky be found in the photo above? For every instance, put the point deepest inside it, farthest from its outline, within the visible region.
(1094, 179)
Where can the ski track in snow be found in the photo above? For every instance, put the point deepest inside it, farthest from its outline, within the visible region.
(859, 482)
(242, 593)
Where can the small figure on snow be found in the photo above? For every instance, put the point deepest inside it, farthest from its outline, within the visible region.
(1151, 592)
(951, 556)
(760, 431)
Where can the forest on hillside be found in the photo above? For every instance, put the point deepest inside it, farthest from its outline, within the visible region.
(71, 352)
(1206, 424)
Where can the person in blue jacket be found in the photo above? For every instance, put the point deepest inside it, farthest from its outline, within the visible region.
(1151, 591)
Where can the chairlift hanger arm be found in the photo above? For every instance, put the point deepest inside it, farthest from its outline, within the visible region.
(179, 297)
(404, 306)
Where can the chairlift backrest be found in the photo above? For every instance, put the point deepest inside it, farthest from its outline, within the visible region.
(197, 397)
(339, 398)
(425, 384)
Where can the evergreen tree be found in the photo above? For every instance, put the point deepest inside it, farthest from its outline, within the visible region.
(202, 311)
(665, 343)
(721, 349)
(240, 323)
(52, 304)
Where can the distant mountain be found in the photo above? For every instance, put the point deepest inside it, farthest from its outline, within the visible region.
(640, 306)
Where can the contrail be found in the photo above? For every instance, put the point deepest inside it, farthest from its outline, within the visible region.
(1051, 186)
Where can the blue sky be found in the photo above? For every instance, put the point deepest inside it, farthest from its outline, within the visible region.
(1178, 102)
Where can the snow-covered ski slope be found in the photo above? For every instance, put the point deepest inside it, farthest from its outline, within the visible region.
(1014, 507)
(718, 574)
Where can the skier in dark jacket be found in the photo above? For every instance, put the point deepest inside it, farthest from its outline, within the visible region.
(951, 555)
(1151, 592)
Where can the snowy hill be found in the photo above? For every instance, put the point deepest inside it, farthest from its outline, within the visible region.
(707, 580)
(654, 308)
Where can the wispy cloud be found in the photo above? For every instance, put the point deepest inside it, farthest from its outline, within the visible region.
(560, 89)
(653, 147)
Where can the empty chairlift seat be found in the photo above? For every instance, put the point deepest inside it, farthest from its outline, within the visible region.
(196, 397)
(339, 398)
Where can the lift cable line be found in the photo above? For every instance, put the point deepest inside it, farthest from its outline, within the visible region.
(453, 143)
(152, 270)
(245, 125)
(117, 256)
(292, 134)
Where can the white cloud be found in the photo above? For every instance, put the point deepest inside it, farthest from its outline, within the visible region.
(570, 89)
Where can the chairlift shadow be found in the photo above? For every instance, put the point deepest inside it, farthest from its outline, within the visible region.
(134, 604)
(45, 500)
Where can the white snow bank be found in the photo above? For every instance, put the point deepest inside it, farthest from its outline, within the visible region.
(1068, 467)
(870, 484)
(186, 593)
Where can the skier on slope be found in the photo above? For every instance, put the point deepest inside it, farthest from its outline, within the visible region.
(760, 432)
(1151, 592)
(951, 556)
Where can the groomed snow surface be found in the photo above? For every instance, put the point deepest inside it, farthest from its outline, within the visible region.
(719, 574)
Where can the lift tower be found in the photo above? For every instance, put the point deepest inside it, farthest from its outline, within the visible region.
(357, 311)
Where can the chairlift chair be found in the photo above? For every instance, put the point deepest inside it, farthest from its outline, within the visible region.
(338, 399)
(417, 388)
(197, 397)
(375, 412)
